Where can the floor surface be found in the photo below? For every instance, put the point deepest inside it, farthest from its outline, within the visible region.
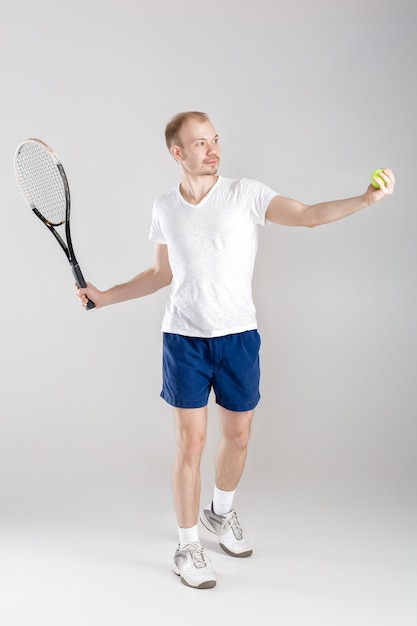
(316, 561)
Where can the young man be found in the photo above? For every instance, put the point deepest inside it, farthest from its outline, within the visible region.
(205, 234)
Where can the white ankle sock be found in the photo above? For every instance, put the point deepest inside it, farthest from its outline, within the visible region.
(222, 501)
(188, 535)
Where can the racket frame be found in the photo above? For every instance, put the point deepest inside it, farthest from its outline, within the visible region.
(68, 246)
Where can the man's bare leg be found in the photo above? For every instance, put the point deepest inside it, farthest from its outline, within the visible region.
(230, 462)
(232, 450)
(191, 426)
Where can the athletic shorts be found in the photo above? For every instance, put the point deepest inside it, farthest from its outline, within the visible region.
(229, 365)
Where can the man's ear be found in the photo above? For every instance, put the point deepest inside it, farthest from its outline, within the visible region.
(176, 153)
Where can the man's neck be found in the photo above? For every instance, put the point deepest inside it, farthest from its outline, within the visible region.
(193, 190)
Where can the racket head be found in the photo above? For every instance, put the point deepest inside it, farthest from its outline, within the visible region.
(42, 181)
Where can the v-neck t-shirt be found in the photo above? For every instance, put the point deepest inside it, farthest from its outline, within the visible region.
(212, 248)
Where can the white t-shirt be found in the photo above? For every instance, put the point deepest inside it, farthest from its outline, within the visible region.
(212, 248)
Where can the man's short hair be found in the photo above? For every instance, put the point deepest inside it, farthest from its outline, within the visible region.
(173, 128)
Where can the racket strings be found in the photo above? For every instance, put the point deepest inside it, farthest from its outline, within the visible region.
(41, 182)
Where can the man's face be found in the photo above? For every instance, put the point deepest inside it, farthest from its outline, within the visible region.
(199, 154)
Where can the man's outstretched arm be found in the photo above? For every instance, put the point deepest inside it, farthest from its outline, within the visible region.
(289, 212)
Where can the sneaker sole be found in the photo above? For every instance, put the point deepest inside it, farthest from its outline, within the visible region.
(239, 555)
(207, 584)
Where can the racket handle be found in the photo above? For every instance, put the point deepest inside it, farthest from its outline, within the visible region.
(79, 279)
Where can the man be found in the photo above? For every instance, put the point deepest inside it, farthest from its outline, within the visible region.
(205, 234)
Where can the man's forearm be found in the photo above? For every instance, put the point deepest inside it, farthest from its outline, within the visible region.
(143, 284)
(326, 212)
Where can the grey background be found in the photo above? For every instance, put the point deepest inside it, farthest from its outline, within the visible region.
(309, 98)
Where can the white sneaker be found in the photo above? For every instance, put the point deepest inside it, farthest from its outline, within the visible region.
(191, 564)
(228, 530)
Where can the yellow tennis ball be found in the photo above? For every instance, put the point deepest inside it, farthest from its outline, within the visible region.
(380, 182)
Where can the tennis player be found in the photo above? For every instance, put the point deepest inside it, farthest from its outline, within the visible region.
(205, 233)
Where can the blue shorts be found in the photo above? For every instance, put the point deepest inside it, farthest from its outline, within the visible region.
(193, 366)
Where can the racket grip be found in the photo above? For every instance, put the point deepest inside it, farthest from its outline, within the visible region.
(79, 279)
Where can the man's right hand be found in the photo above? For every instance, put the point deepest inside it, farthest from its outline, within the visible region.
(84, 294)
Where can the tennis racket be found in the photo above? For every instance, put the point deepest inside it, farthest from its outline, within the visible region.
(44, 185)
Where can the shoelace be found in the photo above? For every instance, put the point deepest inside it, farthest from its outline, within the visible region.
(233, 522)
(197, 554)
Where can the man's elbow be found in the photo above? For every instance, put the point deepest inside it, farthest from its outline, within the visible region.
(164, 279)
(309, 219)
(167, 280)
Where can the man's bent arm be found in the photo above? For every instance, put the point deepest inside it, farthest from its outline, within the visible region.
(145, 283)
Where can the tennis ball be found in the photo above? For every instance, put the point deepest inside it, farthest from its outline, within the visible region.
(380, 182)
